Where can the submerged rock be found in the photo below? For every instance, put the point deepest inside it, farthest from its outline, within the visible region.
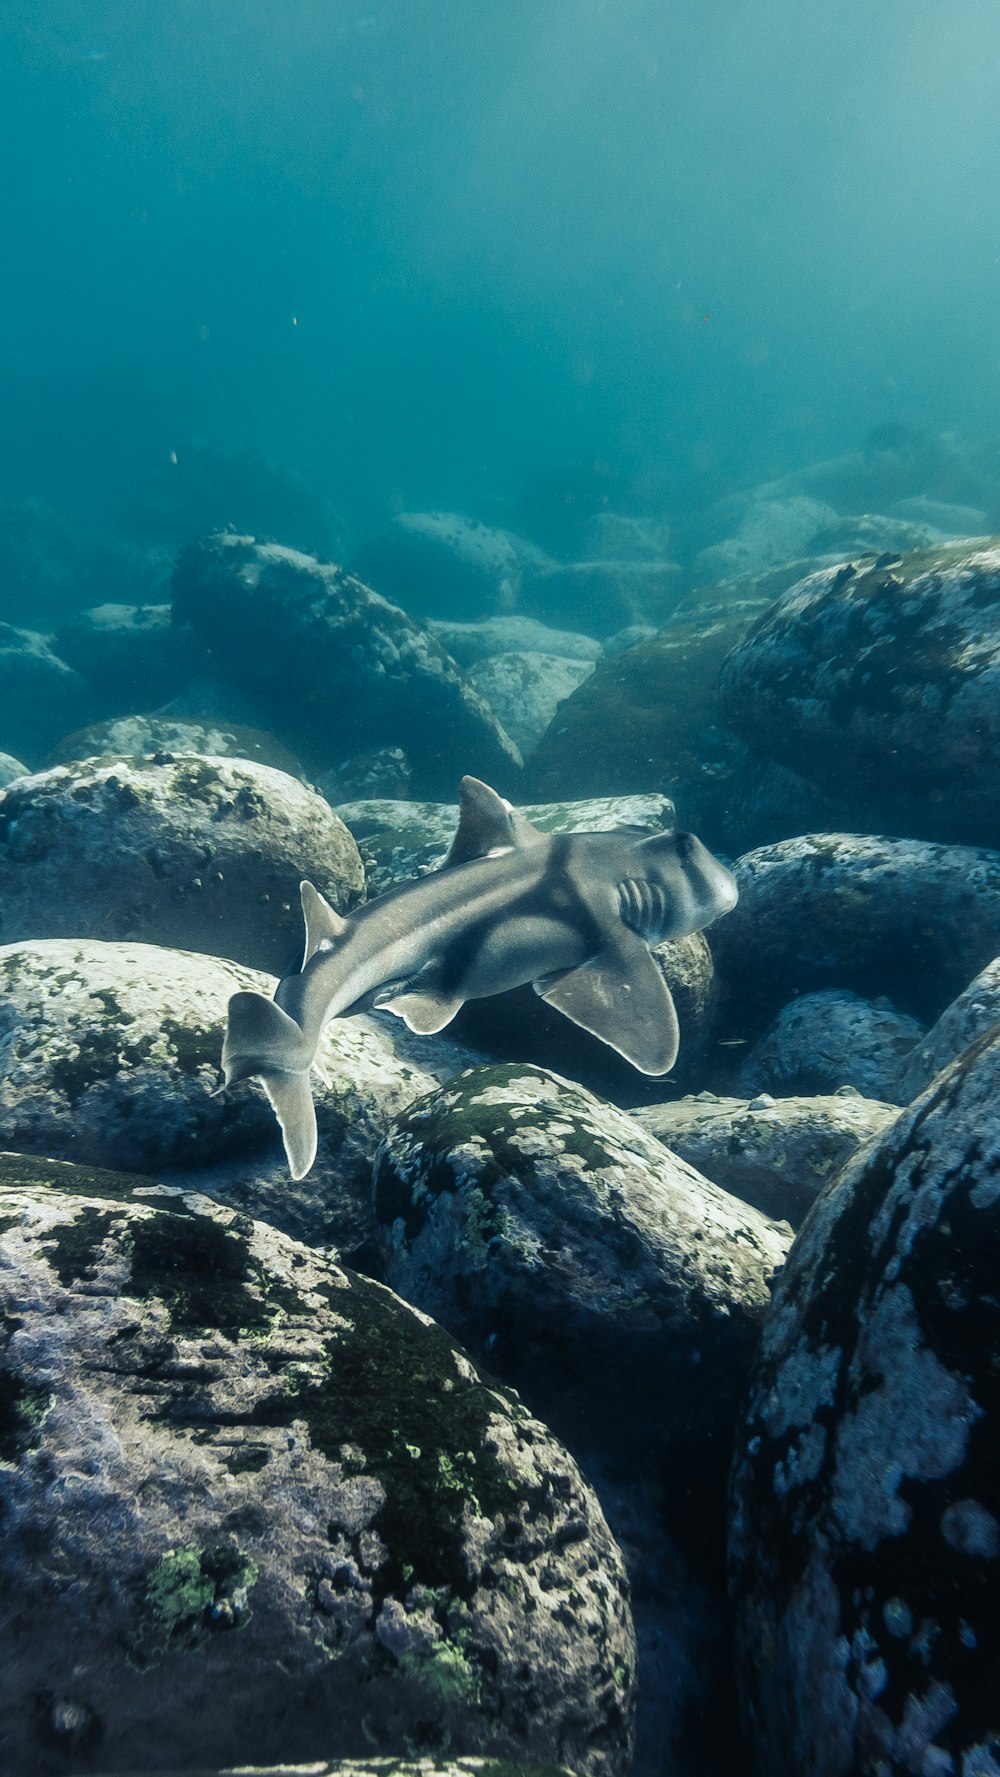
(333, 666)
(822, 1041)
(200, 853)
(866, 1504)
(40, 696)
(770, 531)
(469, 643)
(131, 737)
(525, 690)
(443, 565)
(604, 596)
(971, 1015)
(257, 1508)
(774, 1153)
(10, 768)
(384, 1767)
(886, 677)
(130, 655)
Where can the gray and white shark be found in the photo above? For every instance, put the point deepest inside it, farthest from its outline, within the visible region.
(572, 913)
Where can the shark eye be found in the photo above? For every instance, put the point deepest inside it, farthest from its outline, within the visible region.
(685, 845)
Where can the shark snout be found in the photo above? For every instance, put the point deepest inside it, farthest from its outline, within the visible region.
(713, 886)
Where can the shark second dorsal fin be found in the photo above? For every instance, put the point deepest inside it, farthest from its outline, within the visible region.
(323, 925)
(486, 823)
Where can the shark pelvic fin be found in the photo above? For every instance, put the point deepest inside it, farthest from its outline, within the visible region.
(323, 925)
(486, 823)
(621, 997)
(424, 1007)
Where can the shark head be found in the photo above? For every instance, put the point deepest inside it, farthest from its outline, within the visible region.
(674, 886)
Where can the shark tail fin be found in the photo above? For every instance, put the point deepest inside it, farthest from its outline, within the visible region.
(263, 1043)
(324, 926)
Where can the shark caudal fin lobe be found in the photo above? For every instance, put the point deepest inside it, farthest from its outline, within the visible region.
(620, 996)
(486, 823)
(263, 1043)
(324, 926)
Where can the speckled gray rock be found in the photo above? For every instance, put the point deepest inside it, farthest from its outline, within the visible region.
(826, 1040)
(471, 642)
(109, 1054)
(334, 667)
(10, 768)
(131, 737)
(382, 1767)
(624, 536)
(971, 1015)
(900, 918)
(769, 531)
(866, 1500)
(889, 678)
(605, 1278)
(604, 596)
(40, 696)
(256, 1507)
(526, 689)
(201, 853)
(444, 565)
(774, 1153)
(130, 655)
(400, 840)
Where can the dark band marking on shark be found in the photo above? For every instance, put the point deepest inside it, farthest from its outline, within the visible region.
(572, 913)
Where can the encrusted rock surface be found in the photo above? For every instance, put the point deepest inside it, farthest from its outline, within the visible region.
(974, 1012)
(774, 1153)
(866, 1494)
(886, 676)
(109, 1054)
(526, 689)
(901, 918)
(201, 853)
(383, 1767)
(822, 1041)
(132, 737)
(469, 643)
(333, 666)
(257, 1508)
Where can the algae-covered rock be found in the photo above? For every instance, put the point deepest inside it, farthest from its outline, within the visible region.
(333, 666)
(109, 1054)
(971, 1015)
(132, 737)
(866, 1491)
(886, 676)
(256, 1508)
(822, 1041)
(774, 1153)
(198, 852)
(526, 689)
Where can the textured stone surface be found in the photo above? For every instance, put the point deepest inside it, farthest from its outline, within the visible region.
(256, 1507)
(866, 1498)
(333, 666)
(901, 918)
(10, 768)
(887, 677)
(40, 696)
(974, 1012)
(201, 853)
(382, 1767)
(109, 1054)
(774, 1153)
(526, 689)
(823, 1041)
(471, 642)
(131, 737)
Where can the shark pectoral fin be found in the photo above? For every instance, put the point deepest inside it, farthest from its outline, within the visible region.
(424, 1009)
(292, 1102)
(323, 924)
(621, 997)
(486, 823)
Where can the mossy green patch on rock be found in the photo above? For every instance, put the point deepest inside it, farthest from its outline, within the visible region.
(191, 1594)
(445, 1672)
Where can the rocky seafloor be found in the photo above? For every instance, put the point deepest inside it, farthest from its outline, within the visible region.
(560, 1417)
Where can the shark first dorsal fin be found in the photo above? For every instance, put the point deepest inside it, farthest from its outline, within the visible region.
(486, 823)
(621, 997)
(324, 926)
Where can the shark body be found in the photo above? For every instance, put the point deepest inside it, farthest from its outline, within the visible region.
(572, 913)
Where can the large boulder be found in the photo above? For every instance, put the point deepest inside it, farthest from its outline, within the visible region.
(971, 1015)
(197, 852)
(256, 1508)
(10, 768)
(887, 677)
(469, 643)
(822, 1041)
(333, 666)
(866, 1491)
(131, 737)
(443, 565)
(603, 596)
(897, 918)
(526, 689)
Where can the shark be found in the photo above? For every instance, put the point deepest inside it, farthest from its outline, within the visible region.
(572, 913)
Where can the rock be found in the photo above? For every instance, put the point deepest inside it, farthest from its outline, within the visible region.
(10, 768)
(334, 667)
(887, 678)
(384, 773)
(40, 696)
(199, 853)
(770, 531)
(385, 1767)
(621, 536)
(257, 1508)
(873, 533)
(469, 643)
(110, 1055)
(210, 488)
(629, 637)
(525, 691)
(777, 1155)
(822, 1041)
(143, 737)
(400, 840)
(129, 572)
(894, 917)
(604, 1278)
(603, 596)
(865, 1535)
(442, 565)
(896, 464)
(944, 516)
(971, 1015)
(41, 564)
(130, 655)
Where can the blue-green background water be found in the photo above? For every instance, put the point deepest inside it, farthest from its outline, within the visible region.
(438, 252)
